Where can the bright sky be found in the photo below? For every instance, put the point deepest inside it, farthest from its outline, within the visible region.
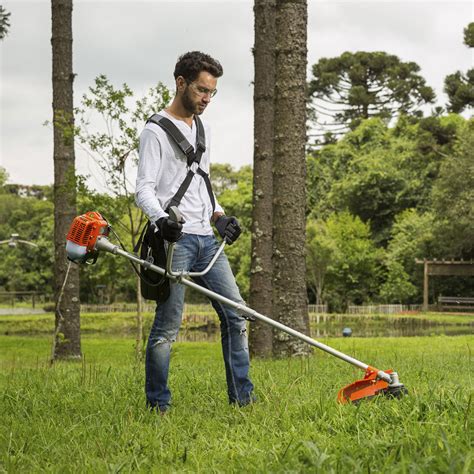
(138, 43)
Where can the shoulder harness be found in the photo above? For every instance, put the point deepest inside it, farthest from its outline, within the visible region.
(192, 156)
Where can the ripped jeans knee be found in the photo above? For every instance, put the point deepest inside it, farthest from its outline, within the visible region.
(160, 340)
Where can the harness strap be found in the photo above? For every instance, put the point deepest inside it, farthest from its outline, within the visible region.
(191, 156)
(140, 239)
(176, 199)
(207, 181)
(173, 131)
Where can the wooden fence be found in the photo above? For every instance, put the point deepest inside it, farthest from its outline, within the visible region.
(382, 309)
(197, 309)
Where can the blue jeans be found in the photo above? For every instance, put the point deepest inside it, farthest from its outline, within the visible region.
(193, 253)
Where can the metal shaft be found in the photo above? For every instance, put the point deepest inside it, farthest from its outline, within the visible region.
(104, 244)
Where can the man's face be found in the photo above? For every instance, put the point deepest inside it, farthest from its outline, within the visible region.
(196, 95)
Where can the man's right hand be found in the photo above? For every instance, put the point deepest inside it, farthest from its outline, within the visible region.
(169, 230)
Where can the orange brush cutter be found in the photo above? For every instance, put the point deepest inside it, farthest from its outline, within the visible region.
(88, 236)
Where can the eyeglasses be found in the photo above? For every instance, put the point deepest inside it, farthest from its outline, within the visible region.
(202, 91)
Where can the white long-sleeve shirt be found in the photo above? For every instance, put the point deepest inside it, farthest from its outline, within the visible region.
(162, 168)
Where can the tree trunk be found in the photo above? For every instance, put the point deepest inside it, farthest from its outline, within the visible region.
(290, 304)
(67, 336)
(262, 232)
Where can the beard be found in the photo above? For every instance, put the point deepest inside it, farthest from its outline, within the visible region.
(189, 104)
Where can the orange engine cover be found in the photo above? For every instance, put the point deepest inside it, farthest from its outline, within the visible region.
(85, 229)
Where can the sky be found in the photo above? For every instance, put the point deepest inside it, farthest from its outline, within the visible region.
(139, 42)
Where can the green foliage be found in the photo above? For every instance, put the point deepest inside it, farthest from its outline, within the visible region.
(412, 238)
(25, 268)
(356, 86)
(469, 35)
(91, 417)
(319, 254)
(114, 144)
(459, 87)
(3, 177)
(412, 184)
(453, 198)
(397, 287)
(342, 260)
(4, 22)
(376, 172)
(233, 189)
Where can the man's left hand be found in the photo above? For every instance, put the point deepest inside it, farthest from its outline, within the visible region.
(228, 228)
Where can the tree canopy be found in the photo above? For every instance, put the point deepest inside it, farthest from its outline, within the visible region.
(377, 171)
(459, 86)
(469, 35)
(356, 86)
(4, 22)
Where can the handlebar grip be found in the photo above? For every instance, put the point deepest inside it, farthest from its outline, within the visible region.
(175, 215)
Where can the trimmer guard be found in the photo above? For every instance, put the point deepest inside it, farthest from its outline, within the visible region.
(367, 387)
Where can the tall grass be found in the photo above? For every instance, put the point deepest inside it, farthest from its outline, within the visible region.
(90, 416)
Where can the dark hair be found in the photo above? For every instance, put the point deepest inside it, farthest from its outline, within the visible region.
(190, 64)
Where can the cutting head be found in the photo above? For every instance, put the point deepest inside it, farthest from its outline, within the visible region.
(370, 386)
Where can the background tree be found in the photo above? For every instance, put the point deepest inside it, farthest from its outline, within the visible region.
(25, 268)
(458, 86)
(412, 238)
(4, 22)
(108, 128)
(233, 189)
(262, 231)
(376, 171)
(469, 35)
(67, 322)
(356, 86)
(453, 198)
(319, 254)
(3, 177)
(350, 258)
(289, 173)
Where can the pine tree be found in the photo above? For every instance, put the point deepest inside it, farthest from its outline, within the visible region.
(67, 335)
(289, 173)
(264, 86)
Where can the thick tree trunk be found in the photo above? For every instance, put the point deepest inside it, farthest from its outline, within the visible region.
(289, 191)
(262, 232)
(68, 336)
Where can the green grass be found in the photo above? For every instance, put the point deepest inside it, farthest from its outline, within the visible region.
(451, 318)
(89, 416)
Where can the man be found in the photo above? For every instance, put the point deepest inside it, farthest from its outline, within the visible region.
(162, 169)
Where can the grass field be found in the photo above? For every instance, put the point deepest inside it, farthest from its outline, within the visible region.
(89, 416)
